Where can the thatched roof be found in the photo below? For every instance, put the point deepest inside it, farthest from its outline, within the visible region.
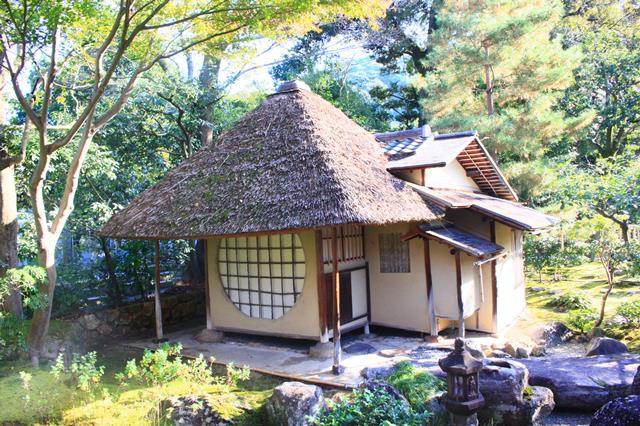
(295, 162)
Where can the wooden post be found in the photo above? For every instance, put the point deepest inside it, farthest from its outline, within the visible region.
(459, 291)
(433, 322)
(335, 275)
(207, 299)
(159, 334)
(494, 281)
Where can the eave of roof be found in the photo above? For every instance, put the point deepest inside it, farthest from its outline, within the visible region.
(456, 238)
(504, 211)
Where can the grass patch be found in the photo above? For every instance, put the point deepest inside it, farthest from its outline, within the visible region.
(416, 385)
(110, 403)
(588, 280)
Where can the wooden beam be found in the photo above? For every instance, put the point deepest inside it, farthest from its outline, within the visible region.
(158, 305)
(335, 275)
(459, 292)
(322, 288)
(433, 322)
(206, 286)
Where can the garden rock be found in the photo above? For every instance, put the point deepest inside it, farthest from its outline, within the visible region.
(635, 386)
(192, 411)
(292, 403)
(530, 411)
(503, 384)
(474, 349)
(91, 322)
(209, 336)
(360, 348)
(502, 381)
(584, 383)
(553, 334)
(377, 373)
(619, 412)
(606, 346)
(321, 350)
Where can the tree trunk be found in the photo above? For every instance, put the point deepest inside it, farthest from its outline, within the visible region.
(9, 236)
(208, 79)
(41, 317)
(624, 228)
(488, 80)
(604, 298)
(116, 290)
(8, 213)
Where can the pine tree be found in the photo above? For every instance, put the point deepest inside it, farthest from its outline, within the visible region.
(500, 70)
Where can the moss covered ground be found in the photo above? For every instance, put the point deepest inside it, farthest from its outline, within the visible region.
(588, 280)
(47, 401)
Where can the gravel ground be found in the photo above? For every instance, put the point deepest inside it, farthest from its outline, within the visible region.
(567, 418)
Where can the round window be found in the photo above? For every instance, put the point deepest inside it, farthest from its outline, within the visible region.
(263, 276)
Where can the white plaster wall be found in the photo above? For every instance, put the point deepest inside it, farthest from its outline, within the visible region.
(302, 320)
(452, 175)
(397, 299)
(510, 286)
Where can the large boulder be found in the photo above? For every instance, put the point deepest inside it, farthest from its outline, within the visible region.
(192, 411)
(619, 412)
(584, 383)
(294, 403)
(635, 386)
(606, 346)
(503, 381)
(508, 398)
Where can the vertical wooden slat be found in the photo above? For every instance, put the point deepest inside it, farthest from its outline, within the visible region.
(322, 291)
(158, 305)
(337, 349)
(206, 286)
(459, 291)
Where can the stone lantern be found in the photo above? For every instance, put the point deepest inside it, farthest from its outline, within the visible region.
(463, 397)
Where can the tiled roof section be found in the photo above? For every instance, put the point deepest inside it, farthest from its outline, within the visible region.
(401, 147)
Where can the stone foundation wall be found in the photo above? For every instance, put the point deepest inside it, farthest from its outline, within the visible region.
(140, 317)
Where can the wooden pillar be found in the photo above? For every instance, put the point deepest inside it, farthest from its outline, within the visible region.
(207, 296)
(159, 333)
(433, 322)
(335, 278)
(459, 291)
(322, 289)
(494, 281)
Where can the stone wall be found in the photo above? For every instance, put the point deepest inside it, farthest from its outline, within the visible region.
(139, 318)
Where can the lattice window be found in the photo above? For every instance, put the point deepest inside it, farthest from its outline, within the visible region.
(350, 243)
(394, 253)
(263, 276)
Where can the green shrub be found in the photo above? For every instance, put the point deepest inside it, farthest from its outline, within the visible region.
(83, 372)
(12, 336)
(165, 365)
(156, 367)
(581, 320)
(367, 407)
(569, 301)
(630, 311)
(415, 385)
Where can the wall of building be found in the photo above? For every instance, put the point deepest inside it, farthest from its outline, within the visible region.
(510, 283)
(301, 321)
(397, 299)
(453, 175)
(479, 225)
